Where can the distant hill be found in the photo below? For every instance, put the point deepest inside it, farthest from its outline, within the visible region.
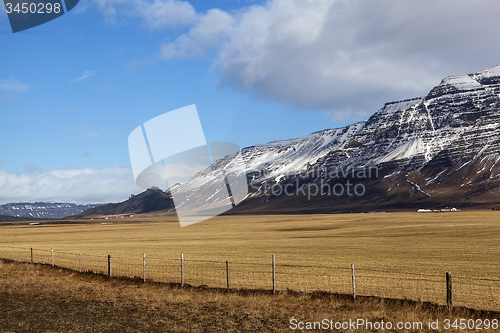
(43, 210)
(152, 200)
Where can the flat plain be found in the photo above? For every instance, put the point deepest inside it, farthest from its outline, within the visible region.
(398, 255)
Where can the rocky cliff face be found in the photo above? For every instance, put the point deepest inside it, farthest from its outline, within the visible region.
(441, 149)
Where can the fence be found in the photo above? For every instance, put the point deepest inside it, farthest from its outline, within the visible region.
(472, 292)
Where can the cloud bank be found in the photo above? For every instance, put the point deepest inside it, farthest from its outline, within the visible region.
(343, 57)
(78, 185)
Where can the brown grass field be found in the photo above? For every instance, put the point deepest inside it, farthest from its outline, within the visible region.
(399, 255)
(35, 298)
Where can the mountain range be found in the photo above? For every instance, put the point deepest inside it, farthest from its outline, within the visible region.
(442, 149)
(41, 210)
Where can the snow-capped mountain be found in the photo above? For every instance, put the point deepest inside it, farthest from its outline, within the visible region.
(441, 149)
(43, 210)
(428, 152)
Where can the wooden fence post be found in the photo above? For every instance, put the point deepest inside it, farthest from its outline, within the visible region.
(274, 275)
(227, 274)
(353, 282)
(31, 255)
(182, 270)
(109, 266)
(449, 293)
(52, 254)
(80, 260)
(144, 267)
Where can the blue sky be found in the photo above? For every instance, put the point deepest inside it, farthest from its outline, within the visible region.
(73, 89)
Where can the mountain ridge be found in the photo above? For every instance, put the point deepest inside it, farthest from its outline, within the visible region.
(438, 150)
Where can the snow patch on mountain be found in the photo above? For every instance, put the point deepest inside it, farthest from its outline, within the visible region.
(462, 82)
(490, 72)
(407, 150)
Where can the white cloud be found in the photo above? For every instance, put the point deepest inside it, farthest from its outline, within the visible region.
(84, 76)
(159, 14)
(344, 57)
(155, 14)
(13, 85)
(111, 184)
(208, 34)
